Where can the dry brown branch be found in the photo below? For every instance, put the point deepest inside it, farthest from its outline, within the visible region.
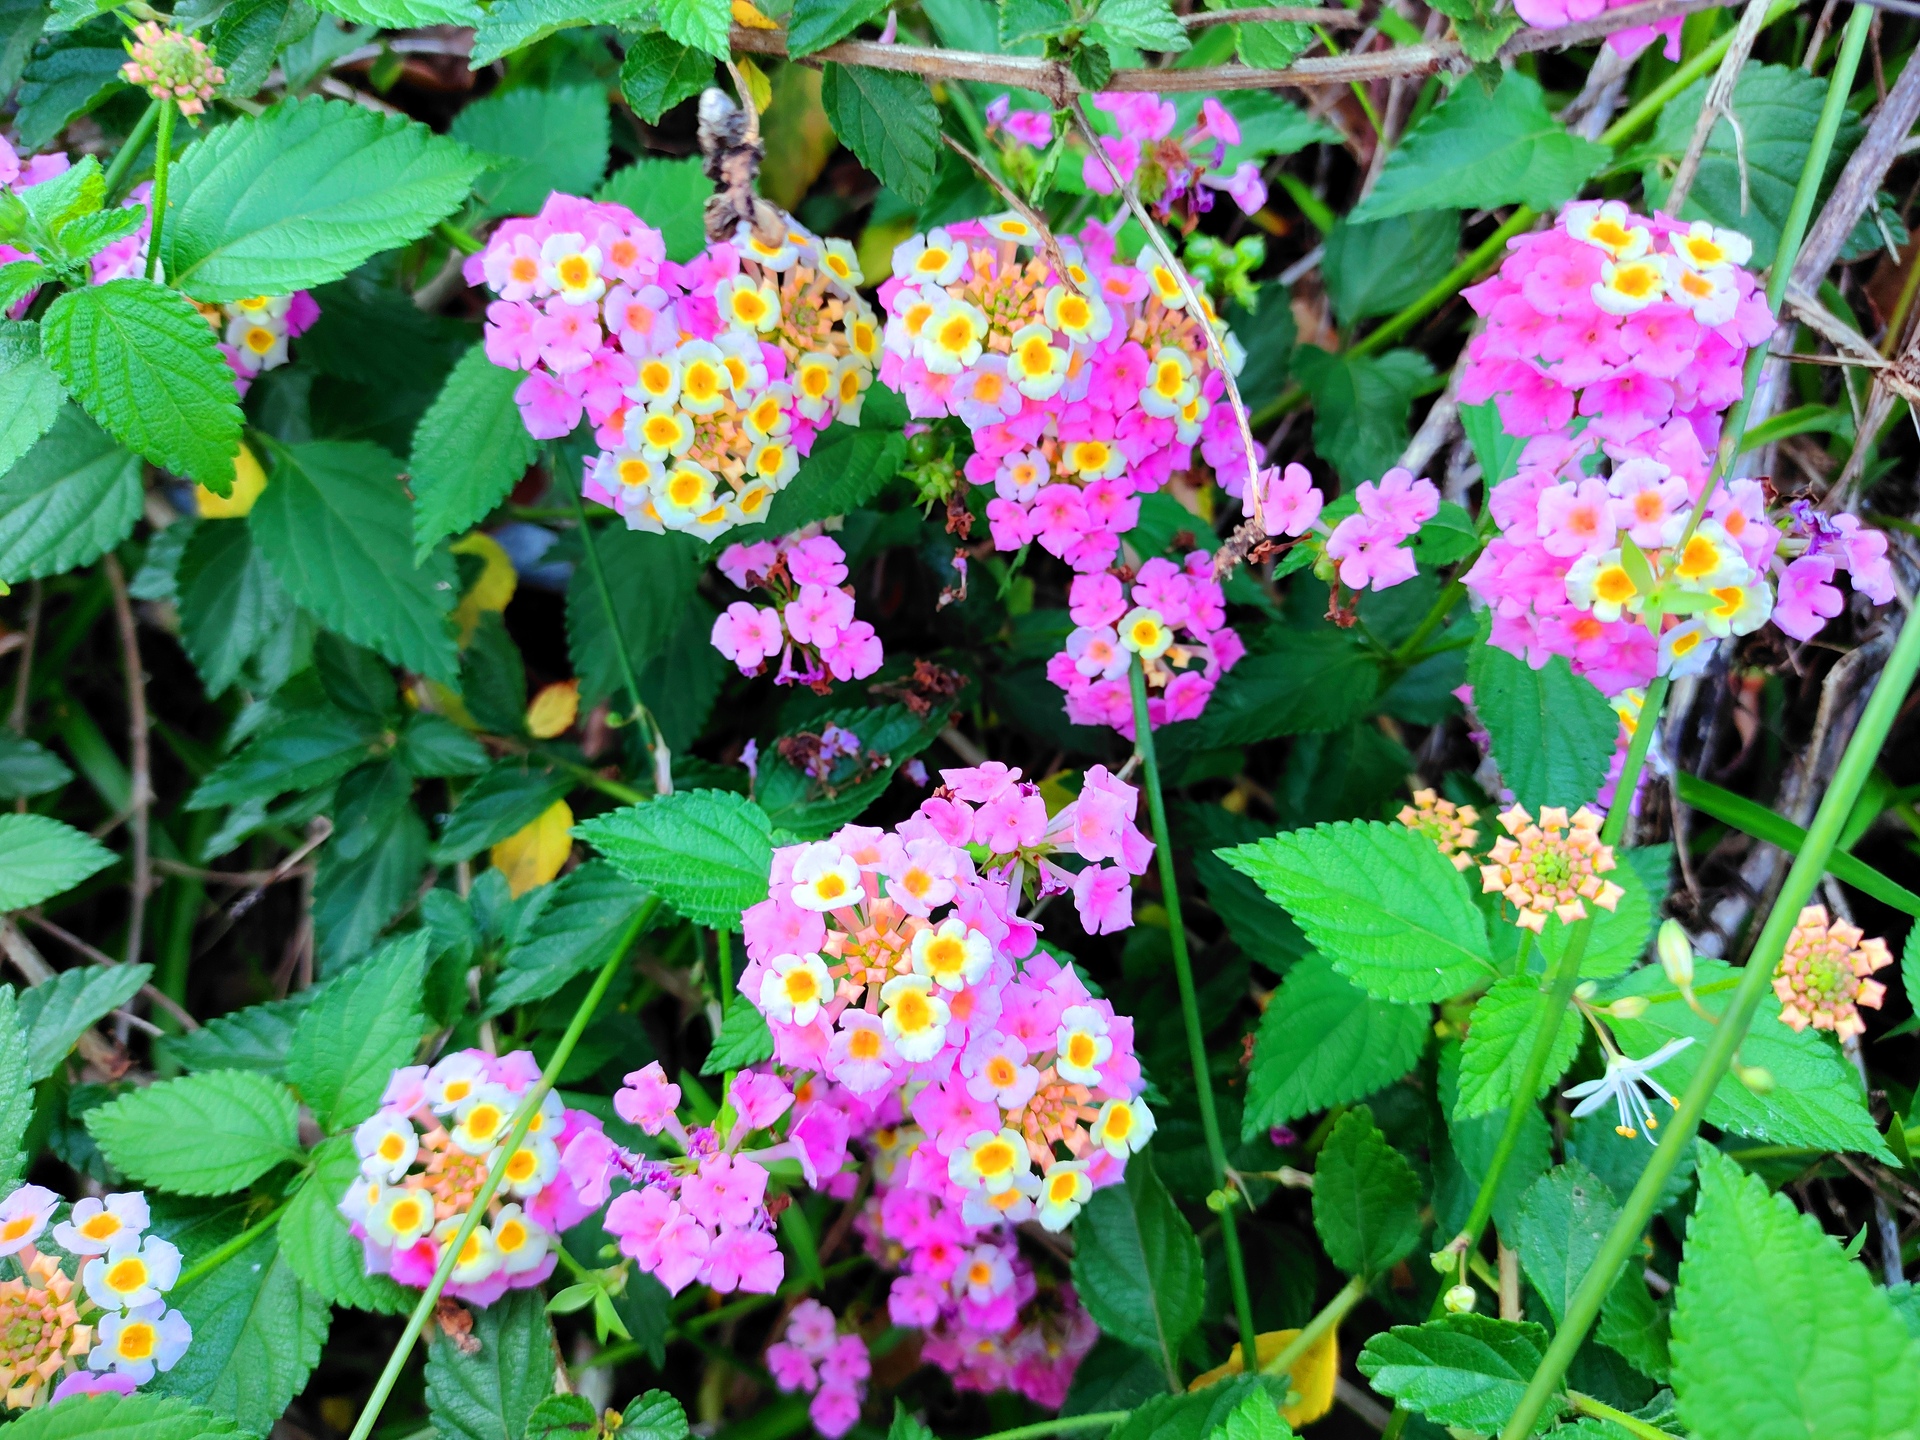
(1265, 14)
(1719, 102)
(99, 957)
(94, 1047)
(1049, 246)
(1055, 79)
(140, 800)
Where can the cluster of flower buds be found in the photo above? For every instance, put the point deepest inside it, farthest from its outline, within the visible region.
(1447, 825)
(438, 1135)
(171, 65)
(1550, 869)
(1173, 617)
(1081, 391)
(813, 1358)
(1640, 328)
(702, 1216)
(92, 1297)
(1825, 974)
(810, 627)
(706, 382)
(1177, 176)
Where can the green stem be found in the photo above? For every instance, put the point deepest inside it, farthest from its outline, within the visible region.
(130, 151)
(1407, 650)
(1190, 1009)
(465, 241)
(1331, 1314)
(1755, 982)
(1600, 1410)
(220, 1254)
(522, 1121)
(723, 959)
(592, 778)
(640, 714)
(157, 205)
(1062, 1425)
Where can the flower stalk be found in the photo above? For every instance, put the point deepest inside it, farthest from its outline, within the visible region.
(162, 156)
(1190, 1009)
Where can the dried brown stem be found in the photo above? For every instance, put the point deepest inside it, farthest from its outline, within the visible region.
(1049, 246)
(140, 801)
(23, 679)
(1719, 101)
(100, 957)
(94, 1047)
(1267, 14)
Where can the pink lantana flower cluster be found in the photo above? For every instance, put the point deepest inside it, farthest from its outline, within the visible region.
(812, 1357)
(702, 1217)
(706, 383)
(1082, 391)
(1364, 549)
(811, 626)
(439, 1132)
(1616, 342)
(1176, 175)
(89, 1294)
(1174, 617)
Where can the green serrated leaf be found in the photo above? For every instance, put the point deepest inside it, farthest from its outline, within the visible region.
(16, 1090)
(847, 468)
(256, 1038)
(815, 24)
(510, 25)
(743, 1040)
(1480, 150)
(509, 797)
(1191, 1416)
(30, 393)
(1307, 681)
(1366, 1198)
(660, 72)
(490, 1393)
(40, 858)
(1563, 1220)
(318, 1246)
(669, 195)
(700, 23)
(57, 1012)
(302, 194)
(592, 909)
(707, 853)
(309, 749)
(120, 1417)
(1466, 1370)
(1500, 1039)
(654, 1415)
(889, 121)
(231, 604)
(72, 497)
(469, 450)
(540, 140)
(1137, 1265)
(406, 14)
(650, 579)
(1376, 267)
(1360, 406)
(1553, 732)
(367, 1025)
(1775, 1332)
(1324, 1041)
(333, 523)
(1142, 24)
(28, 768)
(206, 1134)
(1380, 902)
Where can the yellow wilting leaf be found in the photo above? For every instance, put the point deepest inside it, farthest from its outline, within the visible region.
(757, 83)
(534, 855)
(492, 590)
(1312, 1374)
(745, 13)
(554, 710)
(248, 481)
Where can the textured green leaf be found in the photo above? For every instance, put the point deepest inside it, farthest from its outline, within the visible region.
(1500, 1038)
(650, 578)
(1466, 1370)
(405, 14)
(1553, 733)
(146, 365)
(270, 204)
(1271, 44)
(489, 1394)
(309, 749)
(1306, 681)
(256, 1038)
(257, 1333)
(1360, 406)
(1375, 268)
(249, 36)
(797, 803)
(699, 23)
(63, 82)
(70, 499)
(591, 909)
(354, 897)
(889, 121)
(660, 72)
(55, 1013)
(1193, 1416)
(1497, 451)
(1776, 1333)
(28, 768)
(654, 1415)
(40, 857)
(120, 1417)
(1142, 24)
(744, 1040)
(1023, 21)
(1479, 149)
(1380, 902)
(334, 524)
(707, 853)
(320, 1249)
(816, 24)
(1563, 1220)
(510, 25)
(207, 1134)
(1467, 1157)
(1137, 1265)
(1816, 1100)
(367, 1025)
(508, 798)
(1366, 1198)
(16, 1091)
(905, 1426)
(30, 393)
(847, 468)
(669, 195)
(231, 604)
(469, 450)
(432, 747)
(1324, 1041)
(540, 141)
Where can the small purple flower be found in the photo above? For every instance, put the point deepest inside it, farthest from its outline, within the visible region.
(1282, 1136)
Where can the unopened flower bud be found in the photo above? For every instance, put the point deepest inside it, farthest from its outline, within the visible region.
(1219, 1201)
(1756, 1078)
(1461, 1300)
(1586, 991)
(1628, 1007)
(1676, 954)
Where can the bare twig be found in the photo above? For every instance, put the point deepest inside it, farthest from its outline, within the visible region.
(1265, 14)
(1719, 101)
(140, 801)
(34, 969)
(23, 679)
(318, 831)
(1049, 246)
(238, 879)
(100, 957)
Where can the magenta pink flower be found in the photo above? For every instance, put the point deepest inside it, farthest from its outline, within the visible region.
(647, 1098)
(748, 635)
(1289, 501)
